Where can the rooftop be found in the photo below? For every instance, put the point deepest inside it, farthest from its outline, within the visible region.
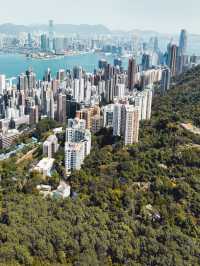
(45, 163)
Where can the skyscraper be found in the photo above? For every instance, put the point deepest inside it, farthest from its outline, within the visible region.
(183, 42)
(44, 42)
(132, 70)
(155, 45)
(165, 82)
(29, 40)
(22, 83)
(173, 51)
(51, 35)
(130, 124)
(117, 120)
(146, 59)
(61, 107)
(34, 115)
(31, 76)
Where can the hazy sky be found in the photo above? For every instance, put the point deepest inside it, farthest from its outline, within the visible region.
(161, 15)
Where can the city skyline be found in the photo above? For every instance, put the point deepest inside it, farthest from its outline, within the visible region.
(144, 15)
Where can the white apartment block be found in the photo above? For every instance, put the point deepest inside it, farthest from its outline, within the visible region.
(74, 156)
(130, 124)
(50, 146)
(2, 83)
(77, 123)
(143, 101)
(117, 120)
(77, 145)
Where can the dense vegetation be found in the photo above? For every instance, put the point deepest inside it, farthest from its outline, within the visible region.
(137, 205)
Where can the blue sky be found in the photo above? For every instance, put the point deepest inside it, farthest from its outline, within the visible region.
(161, 15)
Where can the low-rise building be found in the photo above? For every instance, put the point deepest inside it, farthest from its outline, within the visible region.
(7, 139)
(63, 191)
(45, 166)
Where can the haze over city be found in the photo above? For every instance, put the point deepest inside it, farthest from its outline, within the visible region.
(163, 16)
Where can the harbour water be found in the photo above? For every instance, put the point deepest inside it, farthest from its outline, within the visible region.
(13, 64)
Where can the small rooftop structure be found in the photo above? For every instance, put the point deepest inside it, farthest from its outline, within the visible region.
(44, 187)
(57, 130)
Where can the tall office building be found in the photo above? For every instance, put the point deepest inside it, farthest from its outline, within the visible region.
(59, 45)
(51, 35)
(31, 78)
(23, 83)
(29, 40)
(2, 83)
(183, 42)
(108, 72)
(132, 70)
(44, 43)
(109, 90)
(146, 61)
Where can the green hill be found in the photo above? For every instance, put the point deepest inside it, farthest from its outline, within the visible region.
(138, 205)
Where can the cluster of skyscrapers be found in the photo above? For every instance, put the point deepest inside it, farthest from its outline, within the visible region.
(86, 102)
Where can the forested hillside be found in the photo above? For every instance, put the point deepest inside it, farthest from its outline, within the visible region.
(138, 205)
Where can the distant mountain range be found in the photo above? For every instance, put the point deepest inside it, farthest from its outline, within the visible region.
(10, 28)
(86, 29)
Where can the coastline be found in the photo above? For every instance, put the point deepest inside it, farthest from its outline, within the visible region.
(12, 64)
(46, 57)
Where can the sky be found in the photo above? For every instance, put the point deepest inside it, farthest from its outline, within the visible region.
(167, 16)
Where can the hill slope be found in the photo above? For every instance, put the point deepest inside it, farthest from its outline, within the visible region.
(135, 206)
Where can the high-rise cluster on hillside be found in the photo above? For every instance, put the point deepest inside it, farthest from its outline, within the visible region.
(86, 102)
